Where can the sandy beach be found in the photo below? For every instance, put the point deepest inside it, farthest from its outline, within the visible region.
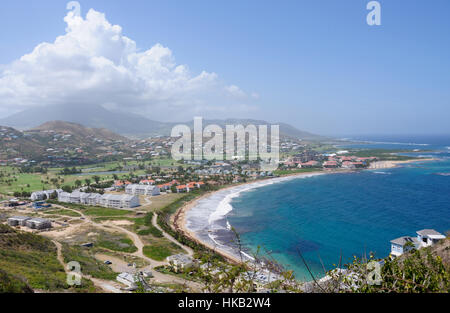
(392, 164)
(179, 218)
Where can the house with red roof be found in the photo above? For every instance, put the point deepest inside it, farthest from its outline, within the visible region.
(309, 164)
(330, 164)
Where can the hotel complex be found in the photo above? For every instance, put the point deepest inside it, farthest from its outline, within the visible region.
(107, 200)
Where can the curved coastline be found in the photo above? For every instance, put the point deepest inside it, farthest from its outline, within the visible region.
(206, 229)
(213, 231)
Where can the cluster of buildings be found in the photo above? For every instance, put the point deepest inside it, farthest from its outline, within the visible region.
(424, 238)
(311, 159)
(33, 223)
(189, 187)
(116, 201)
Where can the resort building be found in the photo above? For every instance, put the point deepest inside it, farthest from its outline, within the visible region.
(146, 190)
(119, 201)
(64, 197)
(147, 182)
(308, 164)
(43, 195)
(330, 164)
(425, 238)
(108, 200)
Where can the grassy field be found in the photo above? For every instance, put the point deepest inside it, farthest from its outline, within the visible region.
(11, 180)
(106, 212)
(160, 201)
(116, 242)
(62, 212)
(143, 226)
(157, 252)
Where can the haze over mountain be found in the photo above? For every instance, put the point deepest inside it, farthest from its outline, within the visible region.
(125, 124)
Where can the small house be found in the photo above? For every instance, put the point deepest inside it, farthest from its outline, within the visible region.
(428, 237)
(403, 244)
(180, 262)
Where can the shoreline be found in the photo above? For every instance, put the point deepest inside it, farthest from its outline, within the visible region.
(178, 220)
(393, 164)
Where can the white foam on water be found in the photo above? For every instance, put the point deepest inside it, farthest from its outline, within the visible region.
(203, 219)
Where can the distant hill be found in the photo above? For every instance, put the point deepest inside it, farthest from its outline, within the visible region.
(125, 124)
(285, 129)
(57, 139)
(79, 131)
(14, 143)
(95, 116)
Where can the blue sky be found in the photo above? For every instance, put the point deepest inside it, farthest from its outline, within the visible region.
(314, 64)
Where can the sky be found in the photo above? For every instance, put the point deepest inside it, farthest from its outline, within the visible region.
(316, 64)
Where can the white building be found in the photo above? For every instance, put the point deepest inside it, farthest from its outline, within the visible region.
(127, 279)
(400, 245)
(18, 220)
(33, 223)
(44, 194)
(38, 223)
(179, 262)
(107, 200)
(425, 238)
(146, 190)
(119, 201)
(428, 237)
(64, 197)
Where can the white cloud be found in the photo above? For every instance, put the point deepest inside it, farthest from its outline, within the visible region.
(95, 63)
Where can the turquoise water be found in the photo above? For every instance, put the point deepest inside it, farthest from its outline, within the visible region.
(349, 214)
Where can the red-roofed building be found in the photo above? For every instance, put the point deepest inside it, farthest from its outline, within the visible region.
(308, 164)
(147, 182)
(348, 164)
(330, 164)
(182, 188)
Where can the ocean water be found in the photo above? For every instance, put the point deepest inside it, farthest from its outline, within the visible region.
(327, 217)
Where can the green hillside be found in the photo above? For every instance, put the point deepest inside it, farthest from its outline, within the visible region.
(30, 261)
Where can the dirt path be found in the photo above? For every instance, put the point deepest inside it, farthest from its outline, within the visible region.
(189, 251)
(102, 284)
(159, 277)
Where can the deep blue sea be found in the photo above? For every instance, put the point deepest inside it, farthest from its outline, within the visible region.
(348, 214)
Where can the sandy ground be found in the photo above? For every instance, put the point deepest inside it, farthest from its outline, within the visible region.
(392, 164)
